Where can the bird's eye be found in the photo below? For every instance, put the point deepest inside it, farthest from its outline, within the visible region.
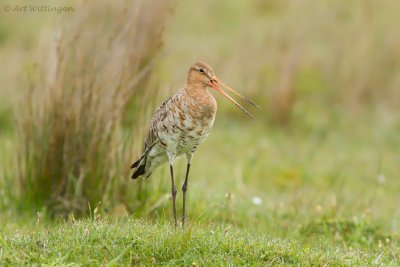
(201, 70)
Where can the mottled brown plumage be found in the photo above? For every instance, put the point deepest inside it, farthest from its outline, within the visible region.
(180, 124)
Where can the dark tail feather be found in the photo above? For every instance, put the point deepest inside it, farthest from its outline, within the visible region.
(139, 171)
(140, 168)
(136, 163)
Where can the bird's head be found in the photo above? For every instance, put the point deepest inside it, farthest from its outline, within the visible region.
(202, 74)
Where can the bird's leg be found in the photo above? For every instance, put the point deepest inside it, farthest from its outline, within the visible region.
(189, 156)
(184, 188)
(174, 191)
(171, 157)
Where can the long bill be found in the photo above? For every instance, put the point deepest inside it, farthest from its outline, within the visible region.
(213, 84)
(236, 93)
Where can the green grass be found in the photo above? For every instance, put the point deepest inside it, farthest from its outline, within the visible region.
(128, 241)
(323, 203)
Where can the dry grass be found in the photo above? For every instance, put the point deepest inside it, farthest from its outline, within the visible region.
(339, 54)
(72, 151)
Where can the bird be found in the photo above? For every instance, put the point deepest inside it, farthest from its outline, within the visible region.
(180, 124)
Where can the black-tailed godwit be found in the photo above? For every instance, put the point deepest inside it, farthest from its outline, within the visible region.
(180, 124)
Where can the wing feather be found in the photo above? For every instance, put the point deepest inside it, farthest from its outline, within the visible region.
(157, 122)
(152, 131)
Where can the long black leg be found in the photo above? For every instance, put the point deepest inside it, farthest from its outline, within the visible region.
(174, 191)
(184, 188)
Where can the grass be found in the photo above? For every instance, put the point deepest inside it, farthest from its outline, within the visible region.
(129, 241)
(71, 148)
(323, 202)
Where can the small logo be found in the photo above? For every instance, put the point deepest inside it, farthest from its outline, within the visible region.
(7, 8)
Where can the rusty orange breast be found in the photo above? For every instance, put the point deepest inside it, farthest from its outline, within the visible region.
(201, 103)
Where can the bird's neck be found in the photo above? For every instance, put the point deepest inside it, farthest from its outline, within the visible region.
(200, 95)
(202, 100)
(196, 90)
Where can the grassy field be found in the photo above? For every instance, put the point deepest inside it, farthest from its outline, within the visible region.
(312, 180)
(127, 241)
(312, 211)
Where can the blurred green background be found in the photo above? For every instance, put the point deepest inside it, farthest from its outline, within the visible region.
(320, 158)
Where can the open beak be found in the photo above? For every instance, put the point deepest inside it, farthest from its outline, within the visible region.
(214, 83)
(236, 93)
